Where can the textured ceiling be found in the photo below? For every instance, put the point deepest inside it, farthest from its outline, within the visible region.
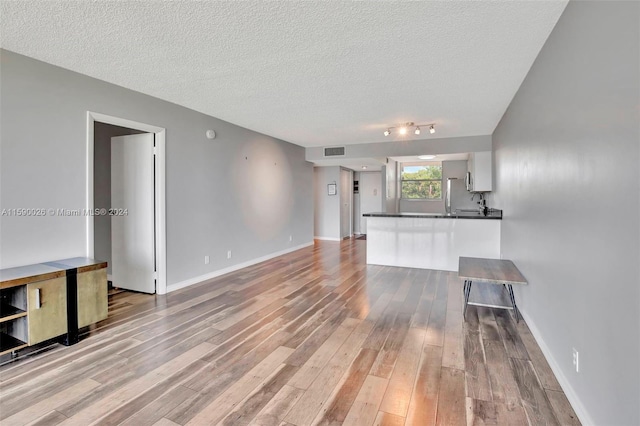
(311, 73)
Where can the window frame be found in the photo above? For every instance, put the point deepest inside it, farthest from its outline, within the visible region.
(421, 163)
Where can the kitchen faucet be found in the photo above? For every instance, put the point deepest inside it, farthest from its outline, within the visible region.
(482, 204)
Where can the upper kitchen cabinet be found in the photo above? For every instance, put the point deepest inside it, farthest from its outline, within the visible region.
(480, 167)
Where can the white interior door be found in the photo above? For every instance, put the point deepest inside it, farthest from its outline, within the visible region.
(346, 198)
(132, 202)
(370, 196)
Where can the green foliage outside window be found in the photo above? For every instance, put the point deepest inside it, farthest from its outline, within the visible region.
(422, 181)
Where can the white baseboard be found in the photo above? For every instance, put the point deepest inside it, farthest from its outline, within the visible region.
(214, 274)
(327, 239)
(576, 404)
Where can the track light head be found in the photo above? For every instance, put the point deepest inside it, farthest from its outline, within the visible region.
(387, 132)
(417, 132)
(432, 129)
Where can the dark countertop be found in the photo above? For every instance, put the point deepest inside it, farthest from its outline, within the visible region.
(492, 214)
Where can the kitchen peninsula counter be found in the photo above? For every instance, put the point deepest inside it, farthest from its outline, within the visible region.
(432, 240)
(492, 214)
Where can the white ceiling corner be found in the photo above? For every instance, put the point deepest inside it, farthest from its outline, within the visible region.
(311, 73)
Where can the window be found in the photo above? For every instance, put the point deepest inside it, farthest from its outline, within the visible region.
(422, 181)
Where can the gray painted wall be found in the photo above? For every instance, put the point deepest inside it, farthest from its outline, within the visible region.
(567, 177)
(327, 207)
(102, 186)
(243, 191)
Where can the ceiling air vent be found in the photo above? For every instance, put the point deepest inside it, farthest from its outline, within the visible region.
(336, 151)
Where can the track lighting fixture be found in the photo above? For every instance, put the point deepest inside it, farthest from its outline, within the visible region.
(404, 128)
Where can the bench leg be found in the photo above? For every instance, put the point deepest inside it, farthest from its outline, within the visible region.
(467, 291)
(513, 303)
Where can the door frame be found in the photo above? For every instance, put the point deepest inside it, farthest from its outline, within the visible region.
(349, 198)
(160, 181)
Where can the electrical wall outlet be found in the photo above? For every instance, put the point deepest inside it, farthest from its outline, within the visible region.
(576, 360)
(206, 260)
(229, 254)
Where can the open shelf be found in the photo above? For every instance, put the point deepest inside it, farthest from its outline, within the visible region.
(10, 343)
(489, 295)
(10, 312)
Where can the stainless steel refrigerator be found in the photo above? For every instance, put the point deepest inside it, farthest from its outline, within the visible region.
(457, 197)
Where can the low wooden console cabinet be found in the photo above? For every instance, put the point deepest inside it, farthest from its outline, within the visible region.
(48, 300)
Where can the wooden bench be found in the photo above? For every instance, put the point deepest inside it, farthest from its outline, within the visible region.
(49, 300)
(494, 271)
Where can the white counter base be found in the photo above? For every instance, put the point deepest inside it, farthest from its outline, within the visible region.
(430, 243)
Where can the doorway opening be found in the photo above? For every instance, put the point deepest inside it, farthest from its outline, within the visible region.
(346, 203)
(145, 139)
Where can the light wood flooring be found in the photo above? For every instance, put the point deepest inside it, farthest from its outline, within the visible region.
(312, 337)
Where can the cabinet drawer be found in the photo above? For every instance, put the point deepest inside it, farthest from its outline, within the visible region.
(92, 297)
(47, 309)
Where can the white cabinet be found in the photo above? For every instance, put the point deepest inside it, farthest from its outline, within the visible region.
(425, 243)
(480, 167)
